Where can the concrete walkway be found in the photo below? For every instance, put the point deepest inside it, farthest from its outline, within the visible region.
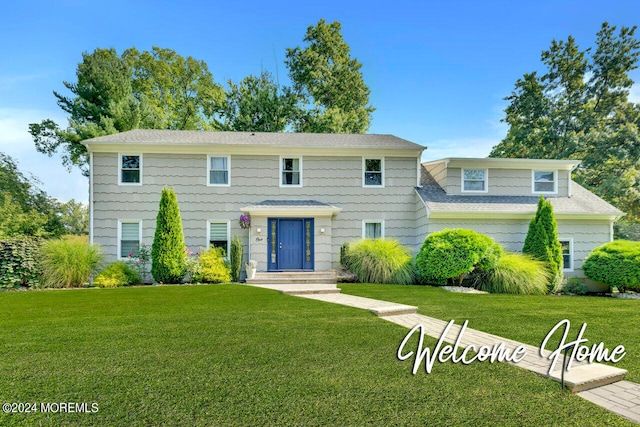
(596, 382)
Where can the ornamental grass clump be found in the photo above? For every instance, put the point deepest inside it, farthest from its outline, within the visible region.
(69, 262)
(517, 274)
(381, 261)
(616, 264)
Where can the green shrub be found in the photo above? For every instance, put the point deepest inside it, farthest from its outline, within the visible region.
(517, 274)
(168, 252)
(213, 268)
(116, 274)
(616, 264)
(575, 287)
(140, 263)
(68, 262)
(543, 244)
(19, 262)
(344, 255)
(451, 254)
(235, 258)
(381, 261)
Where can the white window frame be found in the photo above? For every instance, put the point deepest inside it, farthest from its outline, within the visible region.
(364, 172)
(220, 221)
(533, 181)
(119, 245)
(372, 221)
(486, 180)
(281, 170)
(209, 184)
(120, 168)
(570, 240)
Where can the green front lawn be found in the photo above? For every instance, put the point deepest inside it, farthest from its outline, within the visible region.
(525, 318)
(237, 355)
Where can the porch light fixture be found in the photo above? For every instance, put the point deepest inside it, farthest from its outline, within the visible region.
(258, 230)
(322, 230)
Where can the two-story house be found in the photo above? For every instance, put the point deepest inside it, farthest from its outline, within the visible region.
(309, 193)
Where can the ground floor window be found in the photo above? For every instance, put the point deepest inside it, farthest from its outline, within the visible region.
(218, 235)
(129, 241)
(567, 253)
(372, 229)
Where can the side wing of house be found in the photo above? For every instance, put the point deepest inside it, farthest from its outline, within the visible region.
(498, 197)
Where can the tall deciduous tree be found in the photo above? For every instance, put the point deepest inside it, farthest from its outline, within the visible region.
(168, 251)
(330, 81)
(150, 90)
(258, 104)
(579, 109)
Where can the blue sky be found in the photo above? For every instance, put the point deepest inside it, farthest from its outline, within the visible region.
(438, 71)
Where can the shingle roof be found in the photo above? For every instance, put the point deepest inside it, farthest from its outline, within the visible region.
(274, 139)
(581, 202)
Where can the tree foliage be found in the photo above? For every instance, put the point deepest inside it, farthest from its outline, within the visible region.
(579, 109)
(168, 251)
(258, 104)
(25, 209)
(330, 81)
(115, 93)
(543, 244)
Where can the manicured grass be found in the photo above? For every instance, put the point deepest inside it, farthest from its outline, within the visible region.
(237, 355)
(526, 318)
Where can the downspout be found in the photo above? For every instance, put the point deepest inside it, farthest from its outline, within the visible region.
(91, 197)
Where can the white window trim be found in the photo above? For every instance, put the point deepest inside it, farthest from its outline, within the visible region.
(364, 172)
(119, 174)
(206, 243)
(280, 170)
(533, 181)
(486, 181)
(119, 245)
(570, 240)
(209, 184)
(373, 221)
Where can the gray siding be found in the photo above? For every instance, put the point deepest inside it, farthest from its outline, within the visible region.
(439, 172)
(334, 180)
(505, 182)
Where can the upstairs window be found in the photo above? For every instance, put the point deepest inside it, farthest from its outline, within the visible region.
(474, 180)
(130, 169)
(545, 182)
(218, 171)
(373, 170)
(291, 172)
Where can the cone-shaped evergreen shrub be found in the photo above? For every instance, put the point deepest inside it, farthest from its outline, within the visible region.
(168, 252)
(235, 258)
(542, 242)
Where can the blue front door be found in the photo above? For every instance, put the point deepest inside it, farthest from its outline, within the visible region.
(290, 244)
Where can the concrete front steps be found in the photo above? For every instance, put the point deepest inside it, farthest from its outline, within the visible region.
(297, 282)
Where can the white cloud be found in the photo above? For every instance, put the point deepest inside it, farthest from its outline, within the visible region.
(16, 141)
